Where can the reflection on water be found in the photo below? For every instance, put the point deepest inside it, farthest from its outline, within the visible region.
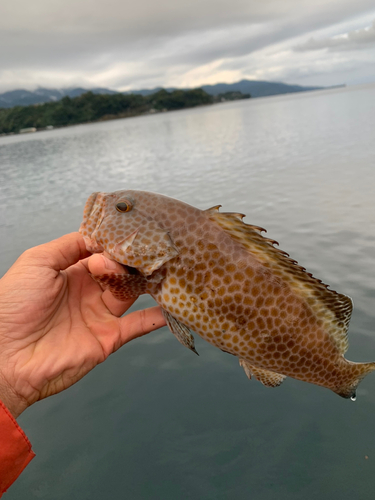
(155, 421)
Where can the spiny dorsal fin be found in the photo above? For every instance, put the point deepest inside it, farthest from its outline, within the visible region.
(333, 308)
(268, 378)
(214, 210)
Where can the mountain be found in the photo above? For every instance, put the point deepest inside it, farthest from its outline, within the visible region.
(26, 98)
(145, 92)
(255, 88)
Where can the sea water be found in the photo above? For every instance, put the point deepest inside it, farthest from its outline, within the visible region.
(155, 421)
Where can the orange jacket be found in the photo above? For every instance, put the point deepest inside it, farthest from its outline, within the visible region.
(15, 449)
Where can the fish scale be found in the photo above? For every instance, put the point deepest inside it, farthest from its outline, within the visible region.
(212, 273)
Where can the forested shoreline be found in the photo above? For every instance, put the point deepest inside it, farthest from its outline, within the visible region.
(90, 107)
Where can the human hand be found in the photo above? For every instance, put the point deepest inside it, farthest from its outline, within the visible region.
(57, 324)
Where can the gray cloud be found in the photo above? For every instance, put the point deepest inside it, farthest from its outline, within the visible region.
(122, 43)
(353, 40)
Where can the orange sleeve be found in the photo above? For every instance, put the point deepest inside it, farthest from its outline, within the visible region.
(15, 449)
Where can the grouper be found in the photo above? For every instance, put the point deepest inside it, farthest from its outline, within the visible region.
(221, 278)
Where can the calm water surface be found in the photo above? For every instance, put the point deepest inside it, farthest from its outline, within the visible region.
(155, 421)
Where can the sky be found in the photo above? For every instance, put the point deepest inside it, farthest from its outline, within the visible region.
(135, 44)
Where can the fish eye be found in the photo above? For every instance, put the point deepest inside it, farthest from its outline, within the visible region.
(124, 206)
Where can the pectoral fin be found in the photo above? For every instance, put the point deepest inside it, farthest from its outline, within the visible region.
(268, 378)
(180, 331)
(125, 286)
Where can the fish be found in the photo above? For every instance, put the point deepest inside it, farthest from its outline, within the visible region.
(215, 275)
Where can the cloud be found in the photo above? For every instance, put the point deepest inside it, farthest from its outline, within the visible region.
(353, 40)
(124, 44)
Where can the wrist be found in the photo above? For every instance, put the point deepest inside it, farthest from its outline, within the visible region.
(15, 404)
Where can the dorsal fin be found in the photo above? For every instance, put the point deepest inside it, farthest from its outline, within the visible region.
(333, 308)
(213, 209)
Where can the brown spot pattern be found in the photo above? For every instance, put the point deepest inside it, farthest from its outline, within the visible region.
(224, 280)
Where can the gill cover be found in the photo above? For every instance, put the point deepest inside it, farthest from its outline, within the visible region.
(128, 233)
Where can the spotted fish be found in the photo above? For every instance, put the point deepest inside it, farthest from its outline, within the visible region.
(212, 273)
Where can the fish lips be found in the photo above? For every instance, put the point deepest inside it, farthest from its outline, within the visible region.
(92, 213)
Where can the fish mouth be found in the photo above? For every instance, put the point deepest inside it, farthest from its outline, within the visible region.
(93, 216)
(132, 270)
(89, 204)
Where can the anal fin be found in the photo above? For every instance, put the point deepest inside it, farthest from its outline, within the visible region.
(180, 331)
(266, 377)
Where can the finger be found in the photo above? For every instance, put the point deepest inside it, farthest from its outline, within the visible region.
(139, 323)
(59, 254)
(129, 327)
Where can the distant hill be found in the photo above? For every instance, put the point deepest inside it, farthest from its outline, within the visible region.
(90, 107)
(145, 92)
(39, 96)
(255, 88)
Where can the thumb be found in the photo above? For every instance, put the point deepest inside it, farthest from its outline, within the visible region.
(99, 264)
(58, 254)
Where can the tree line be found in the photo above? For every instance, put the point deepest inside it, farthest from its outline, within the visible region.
(91, 107)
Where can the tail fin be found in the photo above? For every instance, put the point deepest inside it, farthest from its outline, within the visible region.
(356, 372)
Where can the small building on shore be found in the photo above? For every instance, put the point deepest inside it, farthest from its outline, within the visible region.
(27, 130)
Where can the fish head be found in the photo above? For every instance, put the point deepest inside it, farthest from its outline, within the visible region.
(123, 224)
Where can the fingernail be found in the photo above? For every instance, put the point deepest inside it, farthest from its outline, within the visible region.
(109, 264)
